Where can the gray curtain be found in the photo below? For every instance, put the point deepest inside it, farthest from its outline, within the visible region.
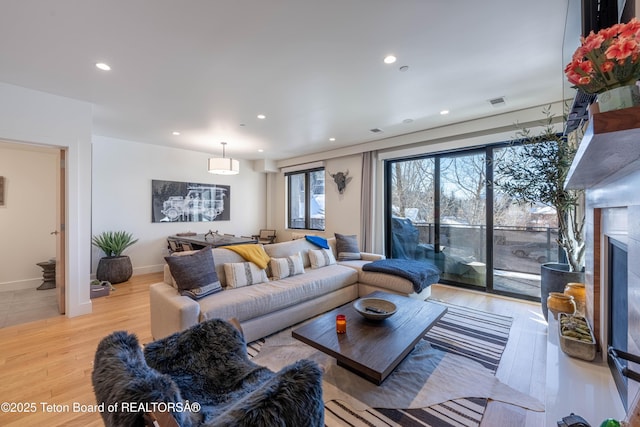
(367, 200)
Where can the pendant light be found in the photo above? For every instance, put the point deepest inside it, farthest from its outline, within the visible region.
(223, 165)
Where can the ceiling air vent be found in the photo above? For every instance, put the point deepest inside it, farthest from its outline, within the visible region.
(376, 130)
(497, 102)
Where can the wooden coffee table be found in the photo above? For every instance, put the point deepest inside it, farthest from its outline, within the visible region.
(372, 349)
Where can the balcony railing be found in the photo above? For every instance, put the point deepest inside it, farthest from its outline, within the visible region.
(517, 254)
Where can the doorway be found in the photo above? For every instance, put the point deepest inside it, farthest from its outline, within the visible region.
(34, 203)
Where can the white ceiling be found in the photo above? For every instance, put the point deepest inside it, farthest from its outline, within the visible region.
(207, 68)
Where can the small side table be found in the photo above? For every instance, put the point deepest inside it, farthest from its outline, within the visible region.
(48, 275)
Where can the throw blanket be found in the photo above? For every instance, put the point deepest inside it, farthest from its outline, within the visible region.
(421, 273)
(254, 253)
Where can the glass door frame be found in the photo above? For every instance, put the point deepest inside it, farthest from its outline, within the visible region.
(487, 151)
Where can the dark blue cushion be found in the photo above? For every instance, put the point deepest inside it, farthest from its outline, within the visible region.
(318, 241)
(421, 273)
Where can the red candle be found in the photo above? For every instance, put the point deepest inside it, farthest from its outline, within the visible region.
(341, 323)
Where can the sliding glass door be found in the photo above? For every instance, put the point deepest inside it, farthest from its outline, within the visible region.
(462, 218)
(448, 209)
(524, 236)
(437, 213)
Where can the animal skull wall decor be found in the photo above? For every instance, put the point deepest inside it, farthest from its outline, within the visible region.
(341, 179)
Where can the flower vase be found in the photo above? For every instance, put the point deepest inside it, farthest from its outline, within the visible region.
(619, 98)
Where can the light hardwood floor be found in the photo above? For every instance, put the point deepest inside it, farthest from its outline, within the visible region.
(50, 361)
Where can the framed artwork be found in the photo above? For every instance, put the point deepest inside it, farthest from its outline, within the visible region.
(173, 201)
(1, 190)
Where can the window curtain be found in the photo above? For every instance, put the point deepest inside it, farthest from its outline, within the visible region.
(367, 200)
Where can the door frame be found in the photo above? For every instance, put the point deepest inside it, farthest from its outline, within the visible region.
(60, 232)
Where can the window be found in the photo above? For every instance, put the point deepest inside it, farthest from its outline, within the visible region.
(306, 199)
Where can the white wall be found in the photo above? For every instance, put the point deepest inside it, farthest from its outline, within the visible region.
(29, 116)
(342, 211)
(122, 175)
(28, 216)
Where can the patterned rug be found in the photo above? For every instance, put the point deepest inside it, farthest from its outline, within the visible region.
(473, 334)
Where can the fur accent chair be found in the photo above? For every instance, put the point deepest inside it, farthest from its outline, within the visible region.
(207, 364)
(120, 374)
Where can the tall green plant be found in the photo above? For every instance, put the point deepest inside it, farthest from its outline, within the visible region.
(537, 174)
(112, 243)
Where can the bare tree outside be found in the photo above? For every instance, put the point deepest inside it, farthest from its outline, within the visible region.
(412, 194)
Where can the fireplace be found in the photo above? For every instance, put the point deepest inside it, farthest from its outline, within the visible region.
(614, 283)
(607, 167)
(617, 317)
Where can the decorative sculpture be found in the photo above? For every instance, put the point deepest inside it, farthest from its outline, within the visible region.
(341, 179)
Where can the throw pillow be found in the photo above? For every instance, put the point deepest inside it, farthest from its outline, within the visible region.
(347, 247)
(195, 274)
(318, 241)
(241, 274)
(321, 257)
(285, 267)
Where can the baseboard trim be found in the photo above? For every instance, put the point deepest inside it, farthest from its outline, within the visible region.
(20, 285)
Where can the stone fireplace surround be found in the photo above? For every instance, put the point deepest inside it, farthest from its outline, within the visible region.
(607, 166)
(614, 212)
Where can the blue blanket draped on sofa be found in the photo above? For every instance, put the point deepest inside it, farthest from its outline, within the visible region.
(421, 273)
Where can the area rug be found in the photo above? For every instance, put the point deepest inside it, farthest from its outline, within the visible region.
(445, 381)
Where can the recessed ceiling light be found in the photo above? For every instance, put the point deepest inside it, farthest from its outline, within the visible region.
(175, 133)
(260, 150)
(407, 121)
(102, 66)
(262, 116)
(404, 68)
(389, 59)
(444, 112)
(332, 139)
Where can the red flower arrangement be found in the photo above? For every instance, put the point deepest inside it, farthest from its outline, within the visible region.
(607, 59)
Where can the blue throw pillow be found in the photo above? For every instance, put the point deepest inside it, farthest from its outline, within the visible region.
(318, 241)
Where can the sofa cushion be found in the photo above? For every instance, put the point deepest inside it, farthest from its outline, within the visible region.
(347, 247)
(222, 256)
(264, 298)
(291, 247)
(285, 267)
(321, 257)
(195, 274)
(396, 284)
(241, 274)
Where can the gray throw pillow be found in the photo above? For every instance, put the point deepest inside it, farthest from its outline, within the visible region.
(195, 274)
(347, 247)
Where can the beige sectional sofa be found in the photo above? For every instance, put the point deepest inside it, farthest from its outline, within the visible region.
(268, 307)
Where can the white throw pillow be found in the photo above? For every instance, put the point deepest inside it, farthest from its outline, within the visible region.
(321, 257)
(239, 274)
(285, 267)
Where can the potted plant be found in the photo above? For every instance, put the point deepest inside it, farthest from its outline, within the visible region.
(536, 175)
(114, 267)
